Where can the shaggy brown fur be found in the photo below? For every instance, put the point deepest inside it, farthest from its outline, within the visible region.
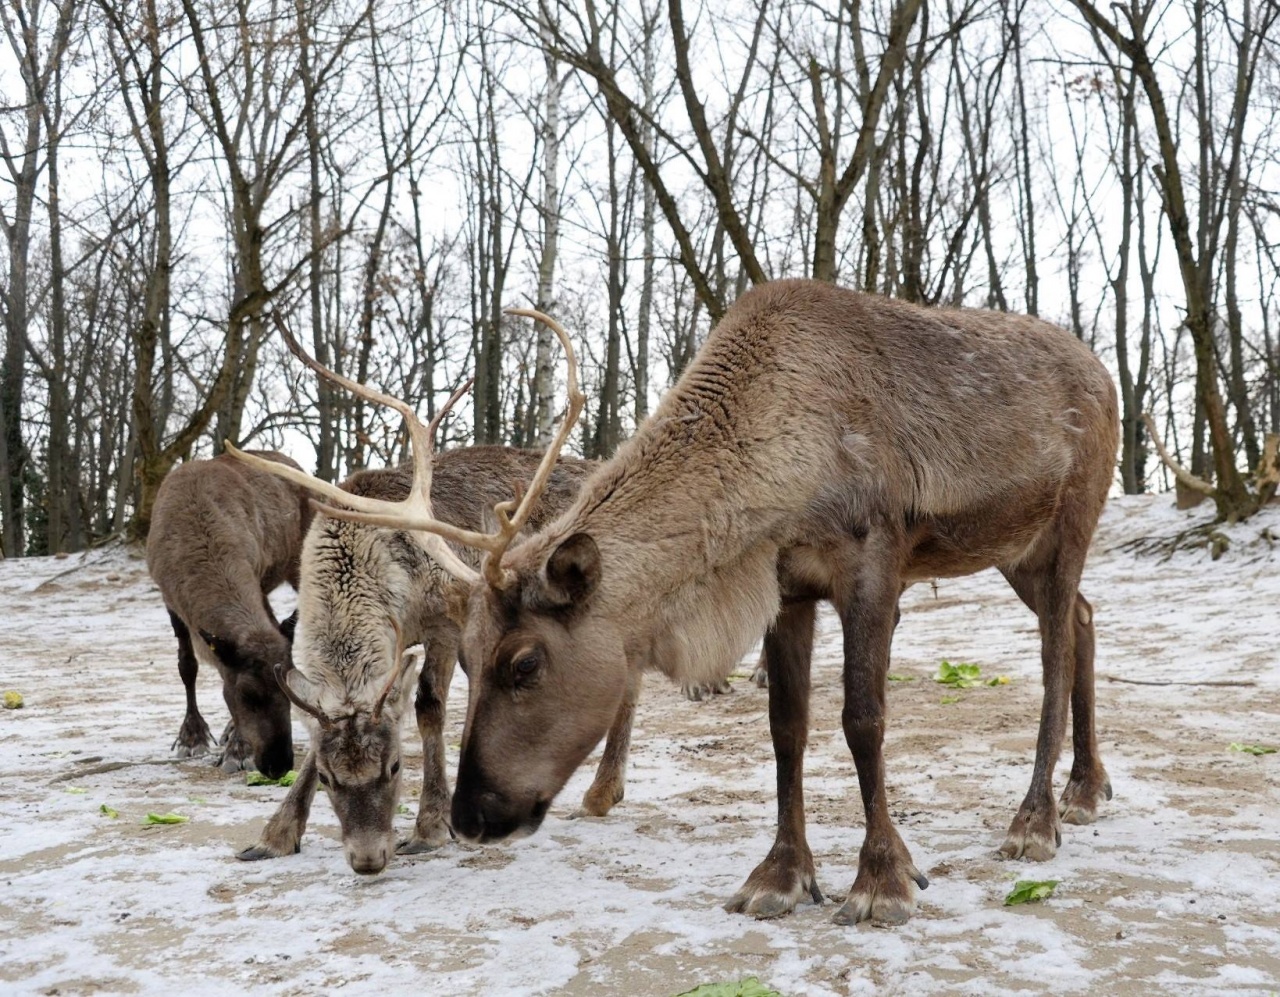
(222, 537)
(824, 444)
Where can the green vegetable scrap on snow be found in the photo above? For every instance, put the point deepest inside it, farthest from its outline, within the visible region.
(12, 700)
(1252, 749)
(107, 811)
(901, 678)
(962, 676)
(1027, 891)
(749, 987)
(258, 779)
(965, 676)
(170, 818)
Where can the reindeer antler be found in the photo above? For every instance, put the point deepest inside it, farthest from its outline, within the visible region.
(414, 513)
(400, 664)
(512, 515)
(381, 511)
(281, 672)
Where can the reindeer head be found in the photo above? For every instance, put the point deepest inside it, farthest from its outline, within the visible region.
(357, 748)
(546, 677)
(531, 645)
(258, 707)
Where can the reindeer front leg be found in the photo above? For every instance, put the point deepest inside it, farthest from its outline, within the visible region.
(786, 876)
(283, 833)
(194, 735)
(431, 828)
(610, 783)
(882, 891)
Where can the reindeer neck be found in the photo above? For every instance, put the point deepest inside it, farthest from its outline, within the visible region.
(690, 513)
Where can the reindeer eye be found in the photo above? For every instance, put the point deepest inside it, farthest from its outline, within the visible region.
(526, 666)
(395, 766)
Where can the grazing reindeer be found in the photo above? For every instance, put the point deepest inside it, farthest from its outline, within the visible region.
(365, 594)
(222, 537)
(823, 444)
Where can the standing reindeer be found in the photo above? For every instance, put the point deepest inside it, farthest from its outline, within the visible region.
(367, 593)
(222, 537)
(823, 444)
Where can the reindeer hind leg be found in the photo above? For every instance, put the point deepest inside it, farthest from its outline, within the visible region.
(1088, 784)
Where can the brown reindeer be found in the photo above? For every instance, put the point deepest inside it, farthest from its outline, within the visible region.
(366, 594)
(222, 537)
(823, 444)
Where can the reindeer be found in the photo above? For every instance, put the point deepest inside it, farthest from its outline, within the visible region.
(823, 444)
(365, 594)
(222, 537)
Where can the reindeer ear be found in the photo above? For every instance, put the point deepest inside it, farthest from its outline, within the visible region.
(409, 666)
(302, 688)
(573, 571)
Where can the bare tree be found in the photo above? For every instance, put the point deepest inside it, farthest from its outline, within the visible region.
(37, 35)
(1196, 251)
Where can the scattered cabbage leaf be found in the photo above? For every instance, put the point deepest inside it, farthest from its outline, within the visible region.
(1252, 749)
(962, 676)
(107, 811)
(258, 779)
(169, 818)
(1027, 891)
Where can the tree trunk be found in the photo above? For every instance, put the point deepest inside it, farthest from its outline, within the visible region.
(543, 401)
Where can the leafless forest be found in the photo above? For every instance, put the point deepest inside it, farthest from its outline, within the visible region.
(389, 176)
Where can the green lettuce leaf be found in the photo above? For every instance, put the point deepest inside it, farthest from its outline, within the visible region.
(1027, 891)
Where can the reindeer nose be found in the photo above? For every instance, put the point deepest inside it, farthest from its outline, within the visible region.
(368, 865)
(275, 761)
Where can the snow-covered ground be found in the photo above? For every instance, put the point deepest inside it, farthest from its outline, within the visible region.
(1175, 889)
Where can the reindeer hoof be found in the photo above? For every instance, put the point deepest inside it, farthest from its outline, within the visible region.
(236, 753)
(882, 893)
(425, 838)
(760, 677)
(193, 738)
(696, 692)
(1080, 798)
(259, 852)
(774, 888)
(597, 801)
(419, 846)
(1034, 835)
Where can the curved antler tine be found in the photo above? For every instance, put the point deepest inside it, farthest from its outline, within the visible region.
(400, 664)
(420, 436)
(281, 672)
(414, 512)
(434, 424)
(512, 515)
(355, 387)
